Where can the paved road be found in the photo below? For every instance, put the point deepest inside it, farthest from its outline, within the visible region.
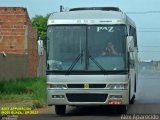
(147, 102)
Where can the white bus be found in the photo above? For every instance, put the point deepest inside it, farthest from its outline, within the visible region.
(91, 58)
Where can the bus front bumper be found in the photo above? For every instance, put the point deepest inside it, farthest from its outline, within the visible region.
(87, 97)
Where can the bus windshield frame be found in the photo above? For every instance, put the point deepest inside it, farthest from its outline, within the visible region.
(81, 48)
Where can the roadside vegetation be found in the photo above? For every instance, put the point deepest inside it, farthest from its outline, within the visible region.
(30, 92)
(40, 22)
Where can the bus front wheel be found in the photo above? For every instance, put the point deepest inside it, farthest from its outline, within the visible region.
(60, 109)
(122, 109)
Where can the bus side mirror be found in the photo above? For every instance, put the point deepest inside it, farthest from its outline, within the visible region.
(40, 47)
(130, 43)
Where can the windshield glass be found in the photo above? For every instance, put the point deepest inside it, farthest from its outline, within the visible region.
(106, 46)
(89, 48)
(66, 47)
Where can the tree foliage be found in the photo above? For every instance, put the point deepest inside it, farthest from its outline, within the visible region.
(40, 22)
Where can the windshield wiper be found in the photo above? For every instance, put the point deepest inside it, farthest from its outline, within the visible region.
(74, 63)
(99, 66)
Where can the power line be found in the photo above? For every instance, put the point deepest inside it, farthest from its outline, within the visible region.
(149, 28)
(148, 31)
(150, 51)
(149, 45)
(145, 12)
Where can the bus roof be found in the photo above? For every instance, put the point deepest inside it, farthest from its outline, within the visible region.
(89, 17)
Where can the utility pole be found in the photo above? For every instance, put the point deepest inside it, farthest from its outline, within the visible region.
(61, 8)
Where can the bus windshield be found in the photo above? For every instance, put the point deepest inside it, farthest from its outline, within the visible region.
(86, 48)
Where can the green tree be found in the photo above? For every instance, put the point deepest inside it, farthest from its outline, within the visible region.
(40, 22)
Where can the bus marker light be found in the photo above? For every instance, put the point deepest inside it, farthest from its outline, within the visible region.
(115, 102)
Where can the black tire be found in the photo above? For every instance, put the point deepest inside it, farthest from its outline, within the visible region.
(118, 109)
(60, 109)
(1, 117)
(122, 109)
(132, 100)
(135, 86)
(133, 97)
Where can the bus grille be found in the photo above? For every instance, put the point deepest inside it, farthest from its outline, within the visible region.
(81, 97)
(82, 85)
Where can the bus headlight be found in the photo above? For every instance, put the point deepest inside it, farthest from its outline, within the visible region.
(57, 86)
(117, 86)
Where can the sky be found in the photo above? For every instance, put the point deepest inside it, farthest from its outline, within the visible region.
(145, 13)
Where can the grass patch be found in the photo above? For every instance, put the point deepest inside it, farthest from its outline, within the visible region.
(15, 97)
(30, 89)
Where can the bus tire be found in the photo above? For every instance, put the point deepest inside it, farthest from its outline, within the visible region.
(124, 109)
(121, 109)
(132, 100)
(133, 97)
(60, 109)
(135, 86)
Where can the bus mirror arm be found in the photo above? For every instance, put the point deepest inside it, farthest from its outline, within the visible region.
(130, 43)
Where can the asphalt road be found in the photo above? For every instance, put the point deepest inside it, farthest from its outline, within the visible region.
(147, 103)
